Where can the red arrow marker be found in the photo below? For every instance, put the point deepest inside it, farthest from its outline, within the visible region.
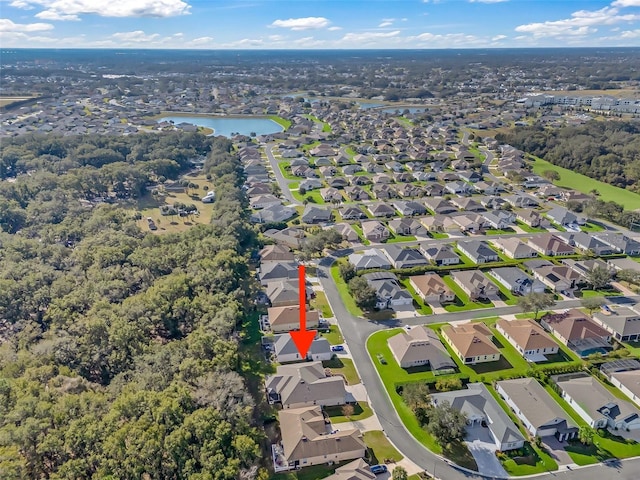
(303, 337)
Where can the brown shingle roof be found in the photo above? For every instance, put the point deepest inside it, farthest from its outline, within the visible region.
(526, 333)
(471, 339)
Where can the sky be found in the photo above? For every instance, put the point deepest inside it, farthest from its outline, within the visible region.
(318, 24)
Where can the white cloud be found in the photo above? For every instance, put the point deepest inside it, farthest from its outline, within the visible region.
(276, 38)
(582, 22)
(137, 36)
(200, 41)
(308, 42)
(333, 29)
(626, 3)
(497, 38)
(109, 8)
(631, 34)
(306, 23)
(448, 40)
(368, 37)
(7, 25)
(385, 24)
(53, 15)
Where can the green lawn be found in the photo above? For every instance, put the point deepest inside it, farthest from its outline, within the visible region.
(591, 227)
(361, 410)
(438, 235)
(418, 302)
(404, 121)
(283, 122)
(584, 184)
(358, 230)
(400, 238)
(313, 196)
(344, 367)
(314, 472)
(381, 447)
(462, 302)
(320, 303)
(528, 229)
(343, 289)
(508, 297)
(325, 126)
(286, 173)
(333, 336)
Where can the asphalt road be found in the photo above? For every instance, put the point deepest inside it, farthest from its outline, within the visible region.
(356, 331)
(283, 182)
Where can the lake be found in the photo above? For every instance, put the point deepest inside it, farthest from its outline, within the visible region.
(226, 126)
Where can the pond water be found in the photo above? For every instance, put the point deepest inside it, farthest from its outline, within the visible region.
(228, 126)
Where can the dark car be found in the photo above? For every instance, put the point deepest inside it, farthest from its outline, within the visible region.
(337, 348)
(378, 469)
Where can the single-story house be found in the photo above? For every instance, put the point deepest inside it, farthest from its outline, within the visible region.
(285, 319)
(315, 214)
(352, 212)
(432, 288)
(356, 470)
(551, 245)
(440, 254)
(471, 342)
(517, 281)
(537, 410)
(375, 231)
(305, 384)
(629, 383)
(371, 258)
(514, 248)
(478, 251)
(389, 293)
(407, 226)
(528, 338)
(381, 210)
(620, 242)
(479, 406)
(420, 346)
(347, 232)
(621, 321)
(286, 350)
(595, 404)
(276, 253)
(405, 257)
(277, 270)
(475, 284)
(578, 332)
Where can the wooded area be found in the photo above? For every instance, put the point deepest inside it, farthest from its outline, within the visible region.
(120, 359)
(607, 151)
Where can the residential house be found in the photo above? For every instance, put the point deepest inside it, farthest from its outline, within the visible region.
(285, 319)
(356, 470)
(407, 226)
(381, 210)
(347, 232)
(475, 284)
(583, 267)
(383, 191)
(623, 322)
(457, 187)
(588, 243)
(623, 264)
(306, 441)
(382, 178)
(375, 231)
(564, 217)
(290, 236)
(274, 213)
(338, 182)
(529, 217)
(433, 189)
(595, 404)
(488, 187)
(356, 193)
(286, 349)
(479, 406)
(498, 219)
(352, 212)
(360, 180)
(537, 410)
(440, 254)
(471, 342)
(405, 257)
(559, 278)
(628, 382)
(528, 338)
(389, 293)
(522, 200)
(468, 204)
(514, 248)
(276, 253)
(283, 292)
(578, 332)
(620, 242)
(432, 289)
(404, 177)
(328, 171)
(407, 190)
(439, 205)
(517, 281)
(372, 258)
(273, 270)
(303, 385)
(315, 214)
(478, 251)
(468, 222)
(550, 245)
(470, 176)
(409, 208)
(418, 347)
(351, 169)
(263, 201)
(331, 194)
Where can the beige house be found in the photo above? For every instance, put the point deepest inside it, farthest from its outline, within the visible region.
(475, 284)
(629, 383)
(307, 440)
(304, 384)
(276, 253)
(472, 342)
(432, 288)
(356, 470)
(285, 319)
(420, 346)
(528, 338)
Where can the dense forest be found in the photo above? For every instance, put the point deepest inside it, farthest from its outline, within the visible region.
(607, 151)
(119, 353)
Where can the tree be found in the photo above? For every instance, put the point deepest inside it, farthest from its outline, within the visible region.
(363, 294)
(586, 434)
(628, 275)
(598, 277)
(347, 271)
(551, 175)
(446, 424)
(399, 473)
(416, 396)
(534, 302)
(592, 303)
(348, 410)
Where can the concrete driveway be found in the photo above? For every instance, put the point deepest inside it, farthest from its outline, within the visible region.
(483, 449)
(557, 451)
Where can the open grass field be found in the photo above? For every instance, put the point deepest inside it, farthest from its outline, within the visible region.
(147, 206)
(361, 410)
(343, 289)
(320, 303)
(582, 183)
(381, 447)
(333, 336)
(343, 366)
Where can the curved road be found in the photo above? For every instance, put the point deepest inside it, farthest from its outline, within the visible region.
(283, 182)
(356, 331)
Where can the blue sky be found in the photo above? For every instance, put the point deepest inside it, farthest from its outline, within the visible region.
(317, 24)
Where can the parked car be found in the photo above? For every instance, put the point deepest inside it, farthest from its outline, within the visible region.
(378, 469)
(337, 348)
